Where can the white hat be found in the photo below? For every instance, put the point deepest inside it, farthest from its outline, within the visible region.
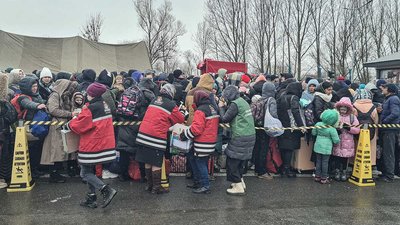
(45, 73)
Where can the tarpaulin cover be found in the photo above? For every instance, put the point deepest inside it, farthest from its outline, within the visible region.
(212, 66)
(71, 54)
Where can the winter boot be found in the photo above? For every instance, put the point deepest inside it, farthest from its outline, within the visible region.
(195, 185)
(55, 177)
(337, 175)
(90, 201)
(108, 194)
(157, 189)
(202, 190)
(343, 176)
(149, 178)
(236, 189)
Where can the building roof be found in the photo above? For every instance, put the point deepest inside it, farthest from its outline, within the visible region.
(387, 62)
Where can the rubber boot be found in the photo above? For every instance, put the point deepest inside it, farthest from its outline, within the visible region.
(157, 189)
(149, 178)
(343, 176)
(337, 175)
(108, 194)
(90, 201)
(236, 189)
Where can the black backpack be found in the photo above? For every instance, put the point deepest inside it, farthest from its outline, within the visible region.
(365, 118)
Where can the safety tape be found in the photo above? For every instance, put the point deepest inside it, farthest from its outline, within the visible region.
(223, 125)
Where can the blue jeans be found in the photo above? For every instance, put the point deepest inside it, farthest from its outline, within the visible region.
(322, 165)
(201, 168)
(90, 178)
(195, 174)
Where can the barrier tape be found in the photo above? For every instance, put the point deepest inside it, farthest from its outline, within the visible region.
(223, 125)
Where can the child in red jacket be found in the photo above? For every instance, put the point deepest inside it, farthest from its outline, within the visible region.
(97, 143)
(204, 132)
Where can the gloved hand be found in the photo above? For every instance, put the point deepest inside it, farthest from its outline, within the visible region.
(183, 137)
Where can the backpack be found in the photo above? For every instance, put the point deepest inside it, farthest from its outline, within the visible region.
(130, 102)
(365, 118)
(270, 122)
(309, 114)
(15, 102)
(258, 111)
(8, 113)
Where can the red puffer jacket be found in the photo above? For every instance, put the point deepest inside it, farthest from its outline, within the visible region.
(161, 114)
(95, 128)
(204, 128)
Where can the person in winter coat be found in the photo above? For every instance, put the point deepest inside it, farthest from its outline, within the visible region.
(390, 115)
(126, 140)
(8, 115)
(107, 79)
(88, 77)
(30, 101)
(284, 80)
(377, 96)
(346, 147)
(161, 114)
(221, 78)
(179, 86)
(59, 106)
(240, 146)
(262, 139)
(14, 77)
(95, 127)
(290, 140)
(309, 93)
(257, 86)
(322, 100)
(326, 138)
(204, 132)
(45, 82)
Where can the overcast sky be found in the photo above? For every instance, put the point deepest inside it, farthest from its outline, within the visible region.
(65, 18)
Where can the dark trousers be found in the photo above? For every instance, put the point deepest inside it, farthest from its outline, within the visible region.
(322, 164)
(234, 169)
(35, 153)
(200, 168)
(125, 159)
(388, 152)
(287, 155)
(260, 152)
(339, 162)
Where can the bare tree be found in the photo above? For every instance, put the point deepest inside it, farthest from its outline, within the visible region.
(203, 39)
(318, 24)
(161, 30)
(393, 24)
(298, 28)
(228, 20)
(379, 25)
(93, 28)
(190, 62)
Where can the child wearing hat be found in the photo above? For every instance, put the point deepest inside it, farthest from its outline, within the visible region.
(97, 143)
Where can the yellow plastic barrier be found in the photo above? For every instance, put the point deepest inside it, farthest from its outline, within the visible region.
(21, 179)
(164, 178)
(362, 171)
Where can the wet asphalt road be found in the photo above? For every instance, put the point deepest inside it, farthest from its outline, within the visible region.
(281, 201)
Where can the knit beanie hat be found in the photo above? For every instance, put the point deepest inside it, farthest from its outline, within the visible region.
(392, 88)
(96, 89)
(106, 78)
(137, 76)
(380, 82)
(246, 79)
(177, 73)
(362, 86)
(287, 75)
(168, 89)
(341, 78)
(45, 73)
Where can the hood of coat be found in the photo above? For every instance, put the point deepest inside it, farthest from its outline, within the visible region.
(3, 87)
(89, 75)
(312, 82)
(221, 73)
(294, 88)
(268, 90)
(147, 83)
(258, 86)
(345, 102)
(168, 89)
(25, 85)
(325, 97)
(60, 86)
(206, 81)
(330, 117)
(201, 98)
(231, 93)
(14, 78)
(371, 87)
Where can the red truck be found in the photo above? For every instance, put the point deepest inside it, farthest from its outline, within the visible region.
(212, 66)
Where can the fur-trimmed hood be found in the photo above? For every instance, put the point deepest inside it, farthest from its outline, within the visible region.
(3, 87)
(345, 102)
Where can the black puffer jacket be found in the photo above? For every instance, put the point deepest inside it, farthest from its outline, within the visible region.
(280, 90)
(321, 103)
(31, 105)
(290, 100)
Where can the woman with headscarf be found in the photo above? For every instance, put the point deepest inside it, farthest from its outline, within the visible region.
(60, 107)
(161, 114)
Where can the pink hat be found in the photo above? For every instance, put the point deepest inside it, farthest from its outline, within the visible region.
(96, 89)
(246, 79)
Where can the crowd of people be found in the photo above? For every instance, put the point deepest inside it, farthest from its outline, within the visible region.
(89, 103)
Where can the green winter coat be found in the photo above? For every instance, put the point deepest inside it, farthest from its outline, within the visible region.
(326, 137)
